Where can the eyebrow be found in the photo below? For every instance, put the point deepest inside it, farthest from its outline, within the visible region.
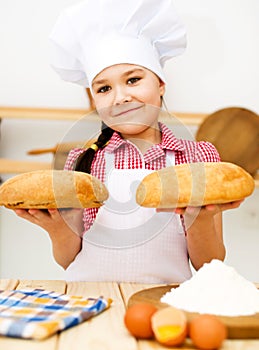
(99, 82)
(133, 71)
(125, 74)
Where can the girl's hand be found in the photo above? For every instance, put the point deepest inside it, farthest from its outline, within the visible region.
(44, 218)
(54, 220)
(211, 208)
(65, 228)
(203, 229)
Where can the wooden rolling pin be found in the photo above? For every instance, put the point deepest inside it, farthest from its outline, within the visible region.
(12, 166)
(62, 147)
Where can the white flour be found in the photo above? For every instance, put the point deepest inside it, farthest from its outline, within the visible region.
(216, 289)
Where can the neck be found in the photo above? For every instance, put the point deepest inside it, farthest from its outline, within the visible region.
(146, 139)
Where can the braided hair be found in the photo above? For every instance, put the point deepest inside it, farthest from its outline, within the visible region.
(84, 161)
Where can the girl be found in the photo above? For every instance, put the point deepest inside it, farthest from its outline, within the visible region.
(120, 55)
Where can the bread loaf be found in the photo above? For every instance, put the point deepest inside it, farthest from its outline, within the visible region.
(45, 189)
(194, 184)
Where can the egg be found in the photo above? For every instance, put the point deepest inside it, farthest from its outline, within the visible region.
(207, 332)
(169, 326)
(137, 320)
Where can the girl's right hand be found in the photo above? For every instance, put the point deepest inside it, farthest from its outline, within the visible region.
(53, 220)
(44, 218)
(65, 230)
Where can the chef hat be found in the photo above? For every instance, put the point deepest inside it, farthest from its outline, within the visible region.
(95, 34)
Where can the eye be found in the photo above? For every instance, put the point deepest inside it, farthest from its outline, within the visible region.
(133, 80)
(103, 89)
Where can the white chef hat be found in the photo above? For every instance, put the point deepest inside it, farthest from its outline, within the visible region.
(95, 34)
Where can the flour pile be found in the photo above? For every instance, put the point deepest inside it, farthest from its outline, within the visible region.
(216, 289)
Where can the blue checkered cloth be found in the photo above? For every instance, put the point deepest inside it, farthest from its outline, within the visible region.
(38, 313)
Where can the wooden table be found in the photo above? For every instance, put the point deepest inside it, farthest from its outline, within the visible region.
(105, 331)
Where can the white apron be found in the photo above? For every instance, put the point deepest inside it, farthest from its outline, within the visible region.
(129, 243)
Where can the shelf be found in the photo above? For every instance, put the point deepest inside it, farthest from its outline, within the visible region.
(8, 166)
(11, 166)
(76, 114)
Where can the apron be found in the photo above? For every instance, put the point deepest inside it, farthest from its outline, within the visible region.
(129, 243)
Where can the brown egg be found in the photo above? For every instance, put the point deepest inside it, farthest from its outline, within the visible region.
(137, 319)
(169, 326)
(207, 332)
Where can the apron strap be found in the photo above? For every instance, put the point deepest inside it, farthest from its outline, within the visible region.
(170, 158)
(109, 161)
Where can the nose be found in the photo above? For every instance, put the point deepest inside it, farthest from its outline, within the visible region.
(122, 95)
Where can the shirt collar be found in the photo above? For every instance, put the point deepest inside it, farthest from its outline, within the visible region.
(169, 141)
(115, 142)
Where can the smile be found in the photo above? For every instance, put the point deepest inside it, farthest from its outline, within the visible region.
(123, 112)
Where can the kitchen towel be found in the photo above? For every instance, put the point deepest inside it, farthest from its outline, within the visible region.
(38, 313)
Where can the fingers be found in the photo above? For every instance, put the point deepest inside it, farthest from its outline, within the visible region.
(222, 207)
(172, 210)
(53, 213)
(26, 214)
(212, 208)
(231, 205)
(35, 215)
(180, 211)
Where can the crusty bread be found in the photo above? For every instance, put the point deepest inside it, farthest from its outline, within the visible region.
(45, 189)
(194, 184)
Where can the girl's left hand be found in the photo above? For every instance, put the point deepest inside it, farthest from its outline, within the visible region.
(212, 208)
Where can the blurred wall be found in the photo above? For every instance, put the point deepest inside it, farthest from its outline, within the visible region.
(219, 69)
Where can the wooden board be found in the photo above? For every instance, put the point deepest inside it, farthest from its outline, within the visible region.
(242, 327)
(235, 133)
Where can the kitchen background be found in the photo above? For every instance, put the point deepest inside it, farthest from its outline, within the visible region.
(219, 69)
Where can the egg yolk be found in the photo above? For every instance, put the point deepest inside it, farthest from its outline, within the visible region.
(168, 331)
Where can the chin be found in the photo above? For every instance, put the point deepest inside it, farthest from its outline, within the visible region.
(130, 129)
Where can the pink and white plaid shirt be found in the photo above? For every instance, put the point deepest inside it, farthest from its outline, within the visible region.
(155, 158)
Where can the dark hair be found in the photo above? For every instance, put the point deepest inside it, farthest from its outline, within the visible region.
(84, 161)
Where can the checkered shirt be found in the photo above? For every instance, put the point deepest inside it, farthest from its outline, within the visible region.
(186, 151)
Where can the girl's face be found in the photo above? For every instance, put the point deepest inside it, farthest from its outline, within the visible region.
(128, 98)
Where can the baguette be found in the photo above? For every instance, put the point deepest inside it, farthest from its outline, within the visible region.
(46, 189)
(194, 184)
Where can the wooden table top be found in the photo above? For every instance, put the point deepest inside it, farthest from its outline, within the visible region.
(105, 331)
